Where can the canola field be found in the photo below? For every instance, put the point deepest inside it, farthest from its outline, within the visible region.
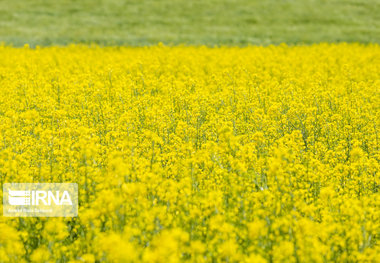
(195, 154)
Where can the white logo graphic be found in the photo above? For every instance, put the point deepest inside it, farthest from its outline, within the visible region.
(19, 197)
(44, 199)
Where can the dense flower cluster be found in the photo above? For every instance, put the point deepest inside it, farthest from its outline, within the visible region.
(256, 154)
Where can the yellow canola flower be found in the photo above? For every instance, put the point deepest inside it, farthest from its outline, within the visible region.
(195, 154)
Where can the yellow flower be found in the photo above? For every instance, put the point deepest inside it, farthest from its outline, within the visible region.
(41, 254)
(195, 153)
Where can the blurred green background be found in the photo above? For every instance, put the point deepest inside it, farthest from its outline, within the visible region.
(194, 22)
